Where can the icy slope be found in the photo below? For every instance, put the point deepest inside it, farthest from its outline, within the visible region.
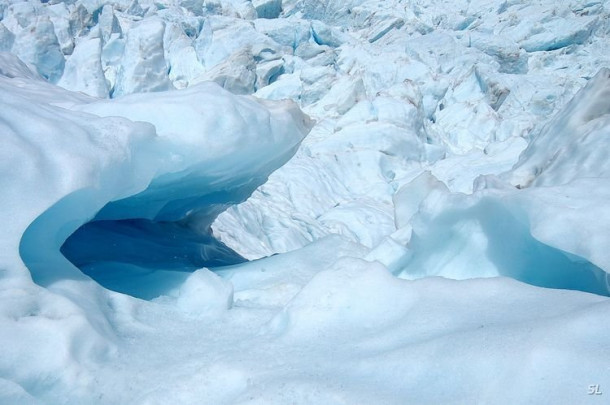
(461, 139)
(409, 85)
(557, 226)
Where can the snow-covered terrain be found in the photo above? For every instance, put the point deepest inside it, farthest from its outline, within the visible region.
(304, 202)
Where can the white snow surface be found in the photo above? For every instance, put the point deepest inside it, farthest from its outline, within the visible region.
(304, 202)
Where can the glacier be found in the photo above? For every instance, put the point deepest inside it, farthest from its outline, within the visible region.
(304, 201)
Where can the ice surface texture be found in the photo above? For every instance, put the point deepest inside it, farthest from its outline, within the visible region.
(500, 230)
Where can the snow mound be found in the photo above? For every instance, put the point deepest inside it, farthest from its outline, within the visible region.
(64, 167)
(351, 297)
(205, 294)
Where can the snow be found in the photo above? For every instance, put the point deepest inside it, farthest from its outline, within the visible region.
(204, 293)
(302, 201)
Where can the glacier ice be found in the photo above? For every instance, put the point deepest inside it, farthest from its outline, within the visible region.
(84, 72)
(181, 174)
(499, 230)
(143, 66)
(440, 235)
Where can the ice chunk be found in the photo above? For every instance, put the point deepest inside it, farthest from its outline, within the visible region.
(19, 14)
(143, 67)
(288, 87)
(236, 74)
(466, 128)
(286, 32)
(268, 72)
(326, 35)
(308, 50)
(242, 9)
(108, 23)
(181, 56)
(511, 57)
(6, 39)
(111, 56)
(37, 44)
(393, 254)
(317, 82)
(276, 279)
(267, 8)
(574, 144)
(559, 33)
(83, 71)
(194, 6)
(411, 195)
(346, 92)
(60, 16)
(383, 27)
(351, 296)
(205, 294)
(81, 17)
(222, 37)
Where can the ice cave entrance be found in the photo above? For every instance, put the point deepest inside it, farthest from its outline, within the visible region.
(144, 258)
(122, 248)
